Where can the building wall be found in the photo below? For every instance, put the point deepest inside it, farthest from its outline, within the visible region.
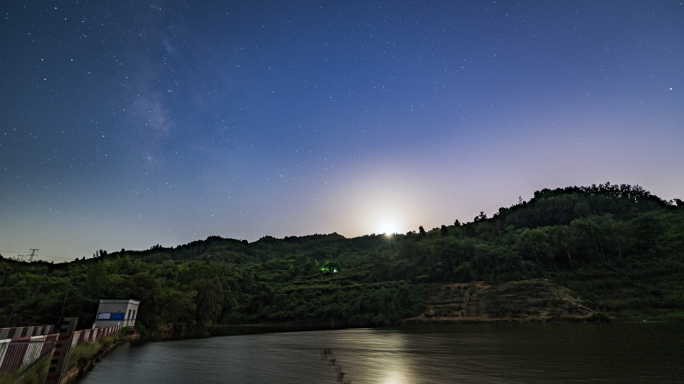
(116, 313)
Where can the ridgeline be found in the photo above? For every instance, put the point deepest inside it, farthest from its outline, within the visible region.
(578, 253)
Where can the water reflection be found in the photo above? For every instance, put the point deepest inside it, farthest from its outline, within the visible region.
(554, 353)
(387, 360)
(329, 357)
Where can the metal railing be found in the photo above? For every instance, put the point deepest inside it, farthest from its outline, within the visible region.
(20, 352)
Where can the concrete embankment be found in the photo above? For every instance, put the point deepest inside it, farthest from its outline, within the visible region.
(85, 360)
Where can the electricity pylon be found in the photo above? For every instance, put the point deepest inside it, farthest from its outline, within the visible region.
(33, 253)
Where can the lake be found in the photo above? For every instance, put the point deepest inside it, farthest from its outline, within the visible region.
(482, 353)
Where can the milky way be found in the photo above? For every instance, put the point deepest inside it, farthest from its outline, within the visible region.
(127, 124)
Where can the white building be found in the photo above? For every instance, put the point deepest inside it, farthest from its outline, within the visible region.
(115, 311)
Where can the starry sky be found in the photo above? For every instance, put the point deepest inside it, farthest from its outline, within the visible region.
(125, 124)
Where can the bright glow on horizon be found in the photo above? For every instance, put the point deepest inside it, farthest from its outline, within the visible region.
(388, 227)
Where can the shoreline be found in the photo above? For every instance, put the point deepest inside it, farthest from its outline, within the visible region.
(84, 365)
(260, 328)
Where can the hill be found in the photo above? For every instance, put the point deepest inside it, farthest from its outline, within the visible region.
(606, 251)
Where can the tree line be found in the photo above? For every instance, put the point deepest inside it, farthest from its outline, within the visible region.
(618, 247)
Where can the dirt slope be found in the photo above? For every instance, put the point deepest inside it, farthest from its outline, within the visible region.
(516, 301)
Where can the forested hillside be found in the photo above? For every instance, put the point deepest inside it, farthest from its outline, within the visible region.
(617, 248)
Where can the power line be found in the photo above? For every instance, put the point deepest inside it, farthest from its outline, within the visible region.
(20, 256)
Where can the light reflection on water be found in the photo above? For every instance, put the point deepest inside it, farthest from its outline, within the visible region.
(536, 353)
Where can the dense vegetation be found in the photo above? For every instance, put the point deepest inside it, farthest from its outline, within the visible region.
(617, 247)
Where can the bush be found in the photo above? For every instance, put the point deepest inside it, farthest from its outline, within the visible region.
(88, 350)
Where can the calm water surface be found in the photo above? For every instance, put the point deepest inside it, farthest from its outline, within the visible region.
(501, 353)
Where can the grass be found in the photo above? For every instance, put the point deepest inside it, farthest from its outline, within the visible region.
(35, 375)
(88, 349)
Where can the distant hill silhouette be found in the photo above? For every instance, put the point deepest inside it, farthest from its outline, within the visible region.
(616, 251)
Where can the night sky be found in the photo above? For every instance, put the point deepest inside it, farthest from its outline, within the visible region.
(125, 124)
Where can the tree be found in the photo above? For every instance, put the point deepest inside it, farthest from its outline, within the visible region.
(177, 307)
(144, 287)
(533, 245)
(97, 280)
(444, 230)
(208, 299)
(421, 231)
(457, 223)
(481, 217)
(303, 265)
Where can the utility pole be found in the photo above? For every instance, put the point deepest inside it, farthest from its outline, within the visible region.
(33, 253)
(59, 356)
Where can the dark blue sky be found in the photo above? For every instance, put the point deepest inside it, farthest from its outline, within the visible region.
(124, 124)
